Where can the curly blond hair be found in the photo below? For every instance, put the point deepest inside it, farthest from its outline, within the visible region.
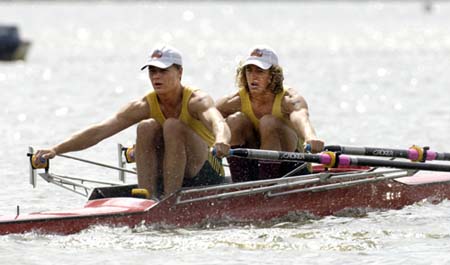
(276, 82)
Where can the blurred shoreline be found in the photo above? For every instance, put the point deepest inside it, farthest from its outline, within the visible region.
(232, 1)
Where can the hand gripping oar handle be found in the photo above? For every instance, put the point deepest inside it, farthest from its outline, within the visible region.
(38, 163)
(414, 153)
(331, 159)
(129, 153)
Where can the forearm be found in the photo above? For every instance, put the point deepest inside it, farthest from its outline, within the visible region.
(308, 131)
(303, 126)
(221, 131)
(80, 140)
(130, 114)
(222, 135)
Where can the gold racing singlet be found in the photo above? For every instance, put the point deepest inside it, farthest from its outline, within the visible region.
(185, 117)
(246, 108)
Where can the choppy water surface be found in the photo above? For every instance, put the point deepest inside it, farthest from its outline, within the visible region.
(372, 73)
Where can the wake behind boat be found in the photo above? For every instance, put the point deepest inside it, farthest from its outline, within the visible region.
(333, 189)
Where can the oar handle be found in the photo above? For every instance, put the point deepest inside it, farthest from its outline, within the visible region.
(129, 153)
(38, 162)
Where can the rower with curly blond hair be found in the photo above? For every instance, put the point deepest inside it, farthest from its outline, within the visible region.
(265, 114)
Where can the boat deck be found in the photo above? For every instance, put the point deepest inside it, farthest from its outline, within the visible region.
(105, 206)
(422, 178)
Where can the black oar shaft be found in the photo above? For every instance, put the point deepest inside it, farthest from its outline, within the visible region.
(414, 153)
(275, 155)
(358, 161)
(368, 151)
(330, 159)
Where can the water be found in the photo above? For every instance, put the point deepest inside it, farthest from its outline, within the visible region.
(372, 73)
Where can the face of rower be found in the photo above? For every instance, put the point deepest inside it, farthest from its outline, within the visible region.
(165, 79)
(258, 79)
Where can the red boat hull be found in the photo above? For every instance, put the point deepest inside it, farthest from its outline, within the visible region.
(255, 208)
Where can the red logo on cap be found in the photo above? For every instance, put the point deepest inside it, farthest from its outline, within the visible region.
(157, 54)
(256, 53)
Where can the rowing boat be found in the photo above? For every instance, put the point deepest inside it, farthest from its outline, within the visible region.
(338, 190)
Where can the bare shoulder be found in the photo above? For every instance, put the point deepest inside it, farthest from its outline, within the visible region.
(231, 99)
(293, 101)
(135, 110)
(137, 105)
(200, 101)
(229, 104)
(200, 97)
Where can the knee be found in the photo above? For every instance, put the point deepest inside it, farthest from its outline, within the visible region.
(238, 121)
(147, 128)
(173, 128)
(269, 123)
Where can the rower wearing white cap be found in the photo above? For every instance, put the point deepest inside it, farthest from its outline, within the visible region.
(177, 126)
(264, 114)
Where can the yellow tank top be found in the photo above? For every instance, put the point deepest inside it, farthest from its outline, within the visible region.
(185, 117)
(246, 108)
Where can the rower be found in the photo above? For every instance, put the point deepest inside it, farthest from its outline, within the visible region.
(176, 126)
(265, 114)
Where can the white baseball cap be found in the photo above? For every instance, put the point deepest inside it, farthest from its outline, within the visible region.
(262, 56)
(163, 57)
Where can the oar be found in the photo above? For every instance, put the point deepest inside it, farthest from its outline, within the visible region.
(331, 159)
(414, 153)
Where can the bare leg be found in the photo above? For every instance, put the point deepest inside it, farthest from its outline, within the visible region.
(276, 135)
(149, 149)
(242, 131)
(243, 134)
(185, 153)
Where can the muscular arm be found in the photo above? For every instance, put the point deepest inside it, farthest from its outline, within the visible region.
(130, 114)
(296, 107)
(202, 107)
(229, 104)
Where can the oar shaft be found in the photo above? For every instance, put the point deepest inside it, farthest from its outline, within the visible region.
(275, 155)
(412, 153)
(330, 159)
(345, 160)
(368, 151)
